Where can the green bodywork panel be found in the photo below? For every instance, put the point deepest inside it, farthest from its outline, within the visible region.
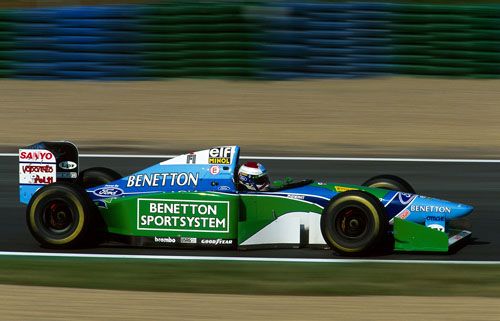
(339, 188)
(409, 236)
(207, 215)
(222, 215)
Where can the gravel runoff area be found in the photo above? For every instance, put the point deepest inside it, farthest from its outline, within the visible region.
(42, 303)
(396, 117)
(377, 117)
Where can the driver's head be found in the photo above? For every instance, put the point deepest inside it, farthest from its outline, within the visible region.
(253, 176)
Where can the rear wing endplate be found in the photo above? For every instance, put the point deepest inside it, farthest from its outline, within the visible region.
(45, 163)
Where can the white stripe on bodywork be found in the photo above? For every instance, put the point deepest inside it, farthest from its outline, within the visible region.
(286, 229)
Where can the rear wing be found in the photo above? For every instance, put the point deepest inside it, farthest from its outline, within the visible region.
(44, 163)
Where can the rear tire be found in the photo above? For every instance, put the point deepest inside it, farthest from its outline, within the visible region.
(97, 176)
(354, 223)
(61, 215)
(92, 177)
(390, 182)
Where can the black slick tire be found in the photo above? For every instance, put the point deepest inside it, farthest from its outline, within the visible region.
(354, 223)
(390, 182)
(61, 215)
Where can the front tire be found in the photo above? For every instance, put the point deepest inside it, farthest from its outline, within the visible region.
(61, 215)
(354, 223)
(390, 182)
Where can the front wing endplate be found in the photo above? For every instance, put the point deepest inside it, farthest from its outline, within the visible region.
(409, 236)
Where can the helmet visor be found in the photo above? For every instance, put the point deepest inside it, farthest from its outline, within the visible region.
(262, 180)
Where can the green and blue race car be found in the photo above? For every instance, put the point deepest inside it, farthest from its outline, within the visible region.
(195, 200)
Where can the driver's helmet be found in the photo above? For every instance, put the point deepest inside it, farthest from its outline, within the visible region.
(253, 176)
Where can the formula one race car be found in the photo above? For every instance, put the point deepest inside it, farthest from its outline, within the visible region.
(196, 200)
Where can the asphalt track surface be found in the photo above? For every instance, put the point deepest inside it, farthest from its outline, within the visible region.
(475, 184)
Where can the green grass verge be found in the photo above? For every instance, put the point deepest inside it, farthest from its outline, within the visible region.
(332, 279)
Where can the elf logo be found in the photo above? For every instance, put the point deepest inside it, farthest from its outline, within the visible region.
(220, 155)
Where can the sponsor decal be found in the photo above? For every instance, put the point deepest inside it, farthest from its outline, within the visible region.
(108, 192)
(399, 203)
(220, 155)
(436, 227)
(214, 170)
(68, 165)
(67, 175)
(188, 240)
(37, 179)
(216, 241)
(344, 189)
(295, 196)
(38, 155)
(164, 240)
(163, 179)
(461, 235)
(224, 188)
(436, 222)
(37, 173)
(435, 218)
(183, 215)
(403, 215)
(30, 168)
(322, 183)
(191, 158)
(405, 198)
(430, 209)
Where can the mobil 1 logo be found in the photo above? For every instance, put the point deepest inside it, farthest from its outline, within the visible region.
(182, 215)
(220, 155)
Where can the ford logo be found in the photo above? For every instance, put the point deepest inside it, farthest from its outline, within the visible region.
(67, 165)
(108, 192)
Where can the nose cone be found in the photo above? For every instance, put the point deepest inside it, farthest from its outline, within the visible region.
(459, 210)
(424, 207)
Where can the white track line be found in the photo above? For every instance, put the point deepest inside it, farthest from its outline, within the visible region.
(234, 259)
(296, 158)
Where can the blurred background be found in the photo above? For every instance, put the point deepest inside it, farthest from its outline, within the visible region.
(307, 78)
(302, 78)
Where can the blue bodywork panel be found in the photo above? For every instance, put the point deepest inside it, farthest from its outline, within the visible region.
(210, 170)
